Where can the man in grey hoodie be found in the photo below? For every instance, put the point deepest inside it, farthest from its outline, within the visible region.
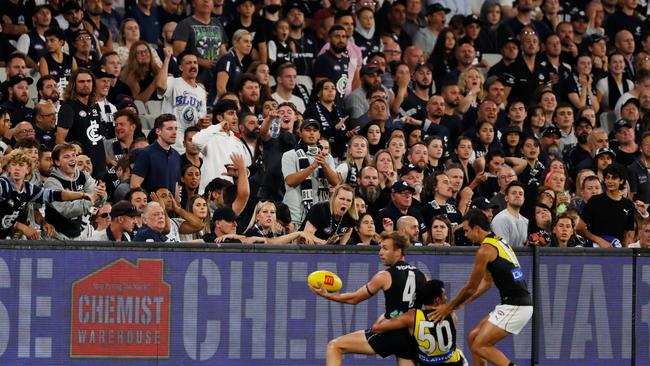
(70, 219)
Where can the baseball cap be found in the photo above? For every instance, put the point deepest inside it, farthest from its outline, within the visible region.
(579, 15)
(632, 100)
(605, 150)
(551, 130)
(620, 124)
(401, 186)
(471, 19)
(124, 208)
(510, 40)
(309, 122)
(512, 128)
(80, 33)
(124, 101)
(482, 203)
(582, 121)
(224, 213)
(17, 79)
(101, 73)
(370, 69)
(407, 168)
(595, 38)
(437, 7)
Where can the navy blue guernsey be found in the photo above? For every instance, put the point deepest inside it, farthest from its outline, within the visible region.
(13, 203)
(400, 297)
(334, 68)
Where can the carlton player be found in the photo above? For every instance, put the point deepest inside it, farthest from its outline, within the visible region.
(399, 283)
(495, 263)
(436, 341)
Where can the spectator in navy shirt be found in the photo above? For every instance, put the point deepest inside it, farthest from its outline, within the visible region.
(158, 164)
(154, 224)
(148, 16)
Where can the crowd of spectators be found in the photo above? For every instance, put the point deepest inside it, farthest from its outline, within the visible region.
(326, 122)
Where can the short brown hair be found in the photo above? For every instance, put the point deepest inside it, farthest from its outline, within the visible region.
(60, 148)
(400, 241)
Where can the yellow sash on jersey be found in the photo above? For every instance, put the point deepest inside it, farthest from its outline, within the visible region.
(505, 251)
(432, 351)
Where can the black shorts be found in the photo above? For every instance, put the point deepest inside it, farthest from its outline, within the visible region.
(398, 342)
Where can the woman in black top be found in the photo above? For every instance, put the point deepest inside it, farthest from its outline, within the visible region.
(231, 64)
(140, 72)
(264, 224)
(333, 220)
(324, 110)
(364, 232)
(442, 56)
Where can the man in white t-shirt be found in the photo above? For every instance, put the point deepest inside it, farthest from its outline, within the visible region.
(182, 96)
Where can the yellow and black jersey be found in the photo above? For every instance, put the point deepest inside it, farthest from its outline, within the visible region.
(507, 274)
(436, 340)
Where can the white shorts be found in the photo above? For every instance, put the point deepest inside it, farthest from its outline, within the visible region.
(511, 318)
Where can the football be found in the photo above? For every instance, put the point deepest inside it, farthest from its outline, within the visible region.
(330, 281)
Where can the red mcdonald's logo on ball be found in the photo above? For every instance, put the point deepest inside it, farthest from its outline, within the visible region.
(329, 280)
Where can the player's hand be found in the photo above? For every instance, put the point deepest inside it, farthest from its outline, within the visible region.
(439, 312)
(321, 291)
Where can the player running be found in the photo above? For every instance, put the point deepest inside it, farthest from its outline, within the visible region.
(436, 341)
(495, 263)
(399, 283)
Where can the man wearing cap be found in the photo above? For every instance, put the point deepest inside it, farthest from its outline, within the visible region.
(106, 109)
(182, 96)
(401, 204)
(32, 43)
(308, 173)
(84, 54)
(603, 157)
(426, 37)
(219, 145)
(16, 105)
(306, 47)
(509, 53)
(596, 47)
(630, 112)
(626, 149)
(356, 103)
(581, 152)
(550, 145)
(641, 82)
(123, 215)
(412, 175)
(485, 205)
(74, 15)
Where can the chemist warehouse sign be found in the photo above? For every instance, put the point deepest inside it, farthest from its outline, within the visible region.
(110, 307)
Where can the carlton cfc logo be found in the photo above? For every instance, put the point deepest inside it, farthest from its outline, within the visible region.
(121, 311)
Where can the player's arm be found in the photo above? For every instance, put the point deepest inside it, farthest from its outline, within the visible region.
(484, 255)
(405, 320)
(486, 284)
(380, 281)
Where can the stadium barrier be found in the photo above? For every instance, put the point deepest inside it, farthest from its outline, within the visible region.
(70, 303)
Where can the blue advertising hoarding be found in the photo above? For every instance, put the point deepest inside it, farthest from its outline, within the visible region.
(110, 307)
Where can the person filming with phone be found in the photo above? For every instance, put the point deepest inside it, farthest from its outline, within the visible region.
(308, 172)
